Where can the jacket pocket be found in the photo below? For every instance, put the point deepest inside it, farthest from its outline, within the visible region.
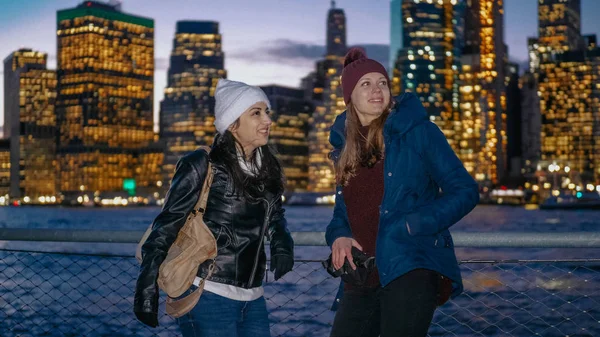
(396, 229)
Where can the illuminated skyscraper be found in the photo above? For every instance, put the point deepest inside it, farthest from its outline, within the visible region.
(336, 31)
(569, 106)
(559, 30)
(471, 143)
(104, 105)
(427, 64)
(568, 92)
(30, 124)
(187, 110)
(559, 25)
(483, 92)
(328, 74)
(291, 112)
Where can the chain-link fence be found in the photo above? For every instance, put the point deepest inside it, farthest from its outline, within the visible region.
(57, 294)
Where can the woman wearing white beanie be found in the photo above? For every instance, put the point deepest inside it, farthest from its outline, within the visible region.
(244, 206)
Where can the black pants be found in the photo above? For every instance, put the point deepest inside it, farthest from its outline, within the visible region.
(404, 307)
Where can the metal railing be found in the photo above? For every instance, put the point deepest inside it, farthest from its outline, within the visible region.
(69, 294)
(461, 239)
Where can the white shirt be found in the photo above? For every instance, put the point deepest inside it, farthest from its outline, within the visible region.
(231, 292)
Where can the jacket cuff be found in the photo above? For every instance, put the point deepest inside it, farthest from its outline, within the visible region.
(336, 234)
(282, 244)
(287, 249)
(286, 254)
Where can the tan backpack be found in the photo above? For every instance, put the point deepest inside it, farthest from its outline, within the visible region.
(194, 244)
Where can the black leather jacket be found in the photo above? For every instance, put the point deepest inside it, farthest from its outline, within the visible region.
(238, 224)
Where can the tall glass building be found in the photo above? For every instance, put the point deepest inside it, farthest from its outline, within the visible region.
(30, 125)
(336, 31)
(483, 92)
(327, 85)
(104, 106)
(559, 25)
(187, 110)
(427, 63)
(569, 106)
(568, 93)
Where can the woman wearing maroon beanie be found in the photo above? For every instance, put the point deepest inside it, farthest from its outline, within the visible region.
(400, 187)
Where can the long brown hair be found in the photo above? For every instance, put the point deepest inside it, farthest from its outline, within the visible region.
(354, 152)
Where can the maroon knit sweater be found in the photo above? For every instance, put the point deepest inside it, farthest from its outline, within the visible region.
(363, 195)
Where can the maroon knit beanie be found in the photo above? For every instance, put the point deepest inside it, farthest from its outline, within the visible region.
(356, 65)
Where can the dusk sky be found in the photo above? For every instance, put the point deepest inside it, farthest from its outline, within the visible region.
(265, 41)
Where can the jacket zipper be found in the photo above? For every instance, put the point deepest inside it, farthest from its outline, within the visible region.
(262, 238)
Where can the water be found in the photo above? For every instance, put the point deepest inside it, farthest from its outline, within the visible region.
(482, 219)
(500, 300)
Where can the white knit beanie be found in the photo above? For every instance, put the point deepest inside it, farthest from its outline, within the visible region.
(232, 99)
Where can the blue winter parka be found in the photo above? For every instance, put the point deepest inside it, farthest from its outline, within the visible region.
(426, 189)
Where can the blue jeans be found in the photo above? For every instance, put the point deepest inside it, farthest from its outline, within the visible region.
(218, 316)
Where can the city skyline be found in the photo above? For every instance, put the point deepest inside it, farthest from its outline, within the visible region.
(291, 50)
(453, 56)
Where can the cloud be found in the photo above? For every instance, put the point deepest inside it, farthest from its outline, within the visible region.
(290, 52)
(282, 51)
(288, 49)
